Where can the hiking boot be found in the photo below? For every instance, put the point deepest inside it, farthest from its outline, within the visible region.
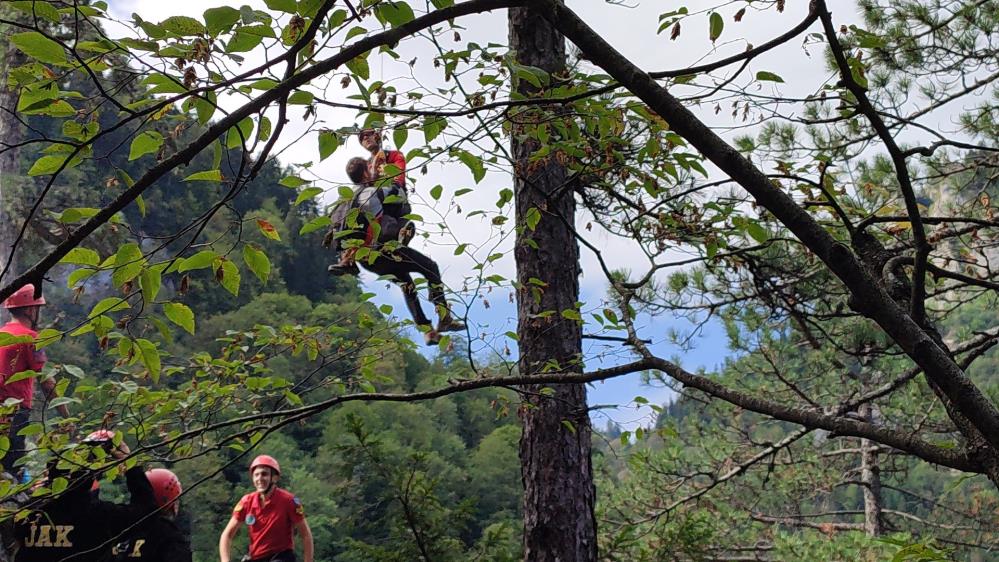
(449, 324)
(407, 232)
(339, 269)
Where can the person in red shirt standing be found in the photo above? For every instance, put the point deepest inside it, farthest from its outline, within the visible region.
(24, 308)
(271, 515)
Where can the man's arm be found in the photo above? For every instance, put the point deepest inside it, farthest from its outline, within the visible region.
(306, 533)
(225, 541)
(396, 158)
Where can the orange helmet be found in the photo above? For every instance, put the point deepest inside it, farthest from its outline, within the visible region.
(166, 486)
(25, 296)
(265, 460)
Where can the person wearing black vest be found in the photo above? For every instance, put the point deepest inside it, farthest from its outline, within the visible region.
(157, 537)
(76, 526)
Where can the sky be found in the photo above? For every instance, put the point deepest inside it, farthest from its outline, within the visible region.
(631, 27)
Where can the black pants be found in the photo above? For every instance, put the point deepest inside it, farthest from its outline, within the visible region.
(18, 422)
(399, 209)
(401, 264)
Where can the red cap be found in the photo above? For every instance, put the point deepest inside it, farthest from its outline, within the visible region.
(25, 296)
(166, 486)
(265, 460)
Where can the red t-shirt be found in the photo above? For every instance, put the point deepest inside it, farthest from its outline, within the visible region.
(17, 358)
(393, 157)
(271, 522)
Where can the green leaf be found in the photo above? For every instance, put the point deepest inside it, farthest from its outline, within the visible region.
(39, 47)
(307, 193)
(181, 315)
(533, 218)
(182, 26)
(572, 315)
(436, 192)
(399, 137)
(150, 281)
(328, 143)
(82, 256)
(33, 428)
(79, 275)
(264, 84)
(110, 304)
(49, 164)
(150, 357)
(204, 106)
(258, 262)
(359, 66)
(301, 97)
(757, 232)
(288, 6)
(292, 182)
(474, 164)
(76, 214)
(264, 128)
(715, 26)
(163, 84)
(239, 133)
(396, 13)
(220, 19)
(42, 9)
(309, 8)
(207, 175)
(268, 230)
(314, 225)
(354, 32)
(765, 76)
(128, 262)
(432, 127)
(146, 143)
(246, 38)
(228, 275)
(201, 260)
(460, 249)
(47, 337)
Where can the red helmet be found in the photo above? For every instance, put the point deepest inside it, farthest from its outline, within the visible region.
(99, 436)
(166, 486)
(25, 296)
(265, 460)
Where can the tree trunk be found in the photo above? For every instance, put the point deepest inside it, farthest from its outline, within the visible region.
(559, 523)
(10, 134)
(870, 478)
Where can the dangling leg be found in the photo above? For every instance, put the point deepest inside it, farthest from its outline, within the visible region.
(427, 267)
(385, 265)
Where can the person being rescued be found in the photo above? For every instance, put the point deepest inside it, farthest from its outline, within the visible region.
(365, 221)
(385, 169)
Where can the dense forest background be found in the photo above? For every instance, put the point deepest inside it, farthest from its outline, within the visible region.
(440, 479)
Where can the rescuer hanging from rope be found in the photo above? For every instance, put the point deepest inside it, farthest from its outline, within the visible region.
(370, 227)
(386, 170)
